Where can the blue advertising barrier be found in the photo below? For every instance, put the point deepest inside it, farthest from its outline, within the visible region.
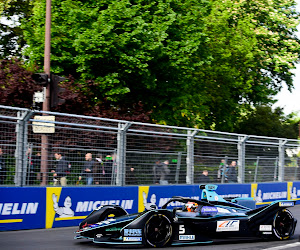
(50, 207)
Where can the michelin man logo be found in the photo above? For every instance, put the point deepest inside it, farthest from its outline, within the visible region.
(65, 211)
(149, 205)
(258, 197)
(294, 193)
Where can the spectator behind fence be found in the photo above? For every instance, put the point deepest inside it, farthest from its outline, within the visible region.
(161, 172)
(222, 169)
(34, 164)
(204, 178)
(231, 174)
(130, 176)
(61, 170)
(87, 170)
(99, 171)
(108, 168)
(2, 168)
(156, 169)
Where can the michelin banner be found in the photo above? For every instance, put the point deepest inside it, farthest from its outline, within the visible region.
(50, 207)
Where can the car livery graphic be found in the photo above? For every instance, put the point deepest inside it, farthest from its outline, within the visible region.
(194, 221)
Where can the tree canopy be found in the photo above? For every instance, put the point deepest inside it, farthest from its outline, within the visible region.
(264, 121)
(184, 62)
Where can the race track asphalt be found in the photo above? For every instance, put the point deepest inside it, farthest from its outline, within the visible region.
(63, 239)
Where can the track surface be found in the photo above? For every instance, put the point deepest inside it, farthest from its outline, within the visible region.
(62, 239)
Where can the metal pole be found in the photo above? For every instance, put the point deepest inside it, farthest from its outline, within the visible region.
(178, 167)
(256, 169)
(190, 157)
(121, 154)
(281, 150)
(46, 103)
(241, 158)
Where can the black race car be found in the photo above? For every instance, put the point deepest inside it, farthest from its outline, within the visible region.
(208, 220)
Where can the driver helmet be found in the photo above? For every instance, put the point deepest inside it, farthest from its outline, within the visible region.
(191, 206)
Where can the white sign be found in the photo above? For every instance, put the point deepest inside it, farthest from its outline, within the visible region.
(228, 225)
(44, 127)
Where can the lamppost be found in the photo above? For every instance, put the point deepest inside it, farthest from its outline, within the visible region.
(46, 103)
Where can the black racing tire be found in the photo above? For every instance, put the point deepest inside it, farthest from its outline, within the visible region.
(283, 224)
(158, 230)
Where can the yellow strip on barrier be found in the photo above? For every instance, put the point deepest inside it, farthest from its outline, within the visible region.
(71, 218)
(11, 221)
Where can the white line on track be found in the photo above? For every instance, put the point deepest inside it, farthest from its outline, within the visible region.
(288, 246)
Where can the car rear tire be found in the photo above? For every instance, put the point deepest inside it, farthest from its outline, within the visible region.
(158, 230)
(283, 224)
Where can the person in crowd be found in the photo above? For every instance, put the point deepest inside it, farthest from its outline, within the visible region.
(108, 167)
(231, 173)
(87, 170)
(130, 177)
(2, 168)
(222, 168)
(204, 178)
(33, 167)
(99, 171)
(156, 171)
(61, 170)
(161, 172)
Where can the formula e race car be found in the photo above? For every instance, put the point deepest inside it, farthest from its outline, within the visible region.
(208, 220)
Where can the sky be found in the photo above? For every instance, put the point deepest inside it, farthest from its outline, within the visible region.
(290, 101)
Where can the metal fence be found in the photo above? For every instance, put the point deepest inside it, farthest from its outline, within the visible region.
(125, 153)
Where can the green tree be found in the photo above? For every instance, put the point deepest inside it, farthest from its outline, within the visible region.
(134, 51)
(264, 121)
(254, 48)
(12, 14)
(185, 62)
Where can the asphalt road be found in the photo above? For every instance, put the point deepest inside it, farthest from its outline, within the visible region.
(62, 239)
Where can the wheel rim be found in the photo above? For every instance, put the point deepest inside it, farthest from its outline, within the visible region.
(283, 224)
(158, 230)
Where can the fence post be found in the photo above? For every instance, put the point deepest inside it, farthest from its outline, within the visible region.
(241, 158)
(121, 153)
(21, 145)
(190, 157)
(178, 167)
(281, 150)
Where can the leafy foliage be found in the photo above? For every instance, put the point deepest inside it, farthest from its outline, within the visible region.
(185, 62)
(265, 122)
(11, 34)
(16, 84)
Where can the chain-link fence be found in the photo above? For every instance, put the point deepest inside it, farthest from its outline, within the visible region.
(46, 148)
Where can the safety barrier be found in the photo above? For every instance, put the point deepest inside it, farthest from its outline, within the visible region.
(51, 207)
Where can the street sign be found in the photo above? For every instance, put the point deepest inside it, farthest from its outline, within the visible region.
(44, 127)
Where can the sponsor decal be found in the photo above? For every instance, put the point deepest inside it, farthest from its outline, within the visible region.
(274, 195)
(18, 208)
(106, 222)
(286, 204)
(228, 225)
(211, 187)
(113, 229)
(265, 228)
(266, 232)
(132, 232)
(208, 211)
(186, 237)
(99, 235)
(132, 238)
(87, 206)
(222, 210)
